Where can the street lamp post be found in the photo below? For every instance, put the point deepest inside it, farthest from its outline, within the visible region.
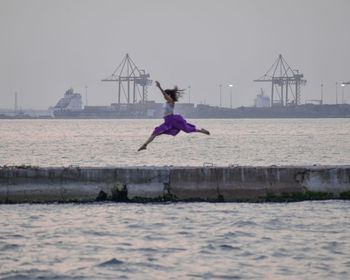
(16, 102)
(86, 95)
(230, 86)
(336, 93)
(189, 94)
(321, 94)
(220, 86)
(342, 93)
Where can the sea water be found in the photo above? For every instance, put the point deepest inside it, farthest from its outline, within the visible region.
(115, 143)
(303, 240)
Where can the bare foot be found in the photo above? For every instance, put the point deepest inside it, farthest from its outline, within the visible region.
(143, 147)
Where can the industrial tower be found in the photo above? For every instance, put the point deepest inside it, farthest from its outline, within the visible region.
(286, 83)
(128, 75)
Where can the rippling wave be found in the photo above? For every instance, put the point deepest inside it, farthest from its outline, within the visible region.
(304, 240)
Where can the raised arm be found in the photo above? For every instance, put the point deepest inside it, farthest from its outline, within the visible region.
(166, 96)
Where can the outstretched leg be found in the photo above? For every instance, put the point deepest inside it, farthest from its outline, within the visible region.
(182, 124)
(204, 131)
(149, 140)
(188, 128)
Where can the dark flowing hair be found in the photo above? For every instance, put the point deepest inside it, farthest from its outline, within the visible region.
(174, 93)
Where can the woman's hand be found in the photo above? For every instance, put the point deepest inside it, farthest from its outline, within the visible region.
(166, 96)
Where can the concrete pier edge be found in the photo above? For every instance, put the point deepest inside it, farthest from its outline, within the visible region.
(30, 184)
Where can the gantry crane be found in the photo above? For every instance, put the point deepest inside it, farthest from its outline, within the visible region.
(128, 75)
(285, 82)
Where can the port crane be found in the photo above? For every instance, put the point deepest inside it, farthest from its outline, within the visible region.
(130, 79)
(285, 83)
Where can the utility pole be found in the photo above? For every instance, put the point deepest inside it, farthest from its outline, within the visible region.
(321, 94)
(220, 86)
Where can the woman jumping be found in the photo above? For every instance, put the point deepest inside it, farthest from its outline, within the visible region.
(173, 124)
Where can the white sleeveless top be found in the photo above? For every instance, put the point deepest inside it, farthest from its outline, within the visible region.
(168, 109)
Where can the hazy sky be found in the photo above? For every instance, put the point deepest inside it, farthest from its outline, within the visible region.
(48, 46)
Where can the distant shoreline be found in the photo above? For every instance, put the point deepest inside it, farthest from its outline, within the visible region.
(203, 112)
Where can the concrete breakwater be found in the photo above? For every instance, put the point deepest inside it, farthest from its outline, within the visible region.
(142, 184)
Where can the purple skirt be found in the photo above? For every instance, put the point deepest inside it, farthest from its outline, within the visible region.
(173, 124)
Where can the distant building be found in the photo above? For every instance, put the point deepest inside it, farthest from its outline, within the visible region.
(184, 108)
(262, 101)
(70, 102)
